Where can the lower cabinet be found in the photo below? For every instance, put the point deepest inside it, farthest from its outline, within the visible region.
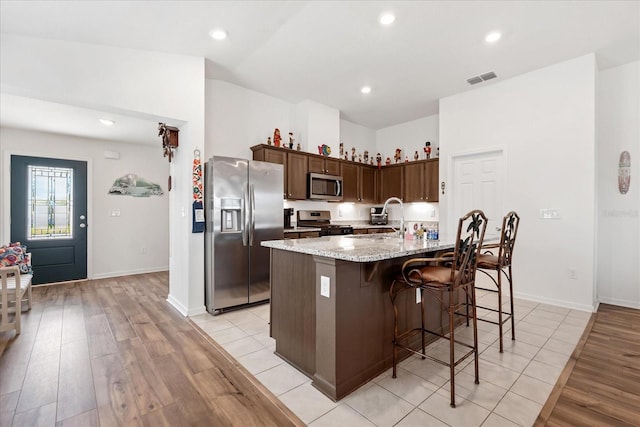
(301, 235)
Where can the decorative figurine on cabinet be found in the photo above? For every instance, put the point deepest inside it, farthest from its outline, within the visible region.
(346, 156)
(406, 159)
(427, 149)
(324, 150)
(398, 155)
(416, 156)
(298, 147)
(379, 160)
(353, 154)
(366, 156)
(341, 150)
(291, 140)
(359, 158)
(388, 161)
(269, 141)
(276, 137)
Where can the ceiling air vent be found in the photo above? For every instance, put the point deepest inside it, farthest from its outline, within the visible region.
(482, 78)
(474, 80)
(488, 76)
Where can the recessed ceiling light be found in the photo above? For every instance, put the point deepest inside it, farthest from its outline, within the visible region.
(218, 34)
(387, 18)
(107, 122)
(493, 37)
(365, 89)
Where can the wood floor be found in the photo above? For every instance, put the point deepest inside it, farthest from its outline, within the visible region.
(112, 352)
(600, 386)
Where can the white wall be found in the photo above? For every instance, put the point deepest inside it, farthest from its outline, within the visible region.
(409, 137)
(238, 118)
(135, 242)
(359, 137)
(545, 123)
(318, 124)
(618, 280)
(127, 81)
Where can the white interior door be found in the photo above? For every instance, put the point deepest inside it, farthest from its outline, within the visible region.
(477, 184)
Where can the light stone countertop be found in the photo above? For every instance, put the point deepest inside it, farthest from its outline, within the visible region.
(361, 247)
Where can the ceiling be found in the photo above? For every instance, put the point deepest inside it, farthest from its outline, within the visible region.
(326, 51)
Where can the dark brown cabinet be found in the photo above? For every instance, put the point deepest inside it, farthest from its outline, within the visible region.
(301, 235)
(412, 182)
(391, 182)
(319, 164)
(421, 181)
(358, 183)
(297, 169)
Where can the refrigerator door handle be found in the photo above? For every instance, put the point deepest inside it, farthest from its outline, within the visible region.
(252, 228)
(245, 217)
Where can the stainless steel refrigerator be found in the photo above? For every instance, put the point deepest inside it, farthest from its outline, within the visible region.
(243, 207)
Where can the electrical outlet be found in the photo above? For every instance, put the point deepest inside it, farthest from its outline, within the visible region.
(572, 273)
(325, 286)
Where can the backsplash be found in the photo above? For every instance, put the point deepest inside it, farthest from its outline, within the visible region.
(358, 213)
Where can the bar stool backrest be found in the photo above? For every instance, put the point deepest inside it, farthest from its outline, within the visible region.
(471, 229)
(510, 224)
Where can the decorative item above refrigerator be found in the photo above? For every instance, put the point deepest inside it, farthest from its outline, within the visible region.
(244, 205)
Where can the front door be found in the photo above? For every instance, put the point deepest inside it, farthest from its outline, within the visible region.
(49, 216)
(478, 185)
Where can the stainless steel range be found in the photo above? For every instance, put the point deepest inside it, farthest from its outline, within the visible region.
(322, 220)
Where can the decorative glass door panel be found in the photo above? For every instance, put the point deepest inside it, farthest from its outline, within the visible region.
(50, 203)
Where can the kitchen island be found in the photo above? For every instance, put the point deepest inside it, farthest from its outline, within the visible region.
(331, 315)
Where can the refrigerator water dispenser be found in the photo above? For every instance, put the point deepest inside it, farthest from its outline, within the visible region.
(231, 215)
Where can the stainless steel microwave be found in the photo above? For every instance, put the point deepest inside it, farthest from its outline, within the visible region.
(324, 187)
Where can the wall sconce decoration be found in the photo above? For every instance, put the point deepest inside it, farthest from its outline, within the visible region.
(169, 135)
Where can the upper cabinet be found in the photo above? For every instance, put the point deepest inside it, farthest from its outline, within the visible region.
(392, 182)
(412, 181)
(359, 183)
(295, 168)
(318, 164)
(421, 181)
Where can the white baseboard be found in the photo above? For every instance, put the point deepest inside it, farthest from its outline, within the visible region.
(620, 302)
(196, 311)
(128, 272)
(559, 303)
(177, 305)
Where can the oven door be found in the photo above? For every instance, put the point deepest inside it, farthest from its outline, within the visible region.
(324, 187)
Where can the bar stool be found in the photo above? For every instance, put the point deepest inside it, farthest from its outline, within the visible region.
(501, 264)
(445, 278)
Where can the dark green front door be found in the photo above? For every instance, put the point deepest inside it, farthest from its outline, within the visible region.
(49, 215)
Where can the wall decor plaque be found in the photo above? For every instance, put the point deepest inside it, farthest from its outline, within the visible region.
(624, 172)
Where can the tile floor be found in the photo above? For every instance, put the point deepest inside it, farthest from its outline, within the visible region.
(513, 385)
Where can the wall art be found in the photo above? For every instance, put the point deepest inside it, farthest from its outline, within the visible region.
(133, 185)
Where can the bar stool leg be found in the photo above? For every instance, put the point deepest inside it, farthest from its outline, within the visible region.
(499, 272)
(475, 333)
(513, 325)
(452, 368)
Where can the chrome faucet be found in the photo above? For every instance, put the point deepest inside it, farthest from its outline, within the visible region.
(384, 210)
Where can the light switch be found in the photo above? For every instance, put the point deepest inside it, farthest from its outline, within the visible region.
(550, 213)
(115, 212)
(325, 286)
